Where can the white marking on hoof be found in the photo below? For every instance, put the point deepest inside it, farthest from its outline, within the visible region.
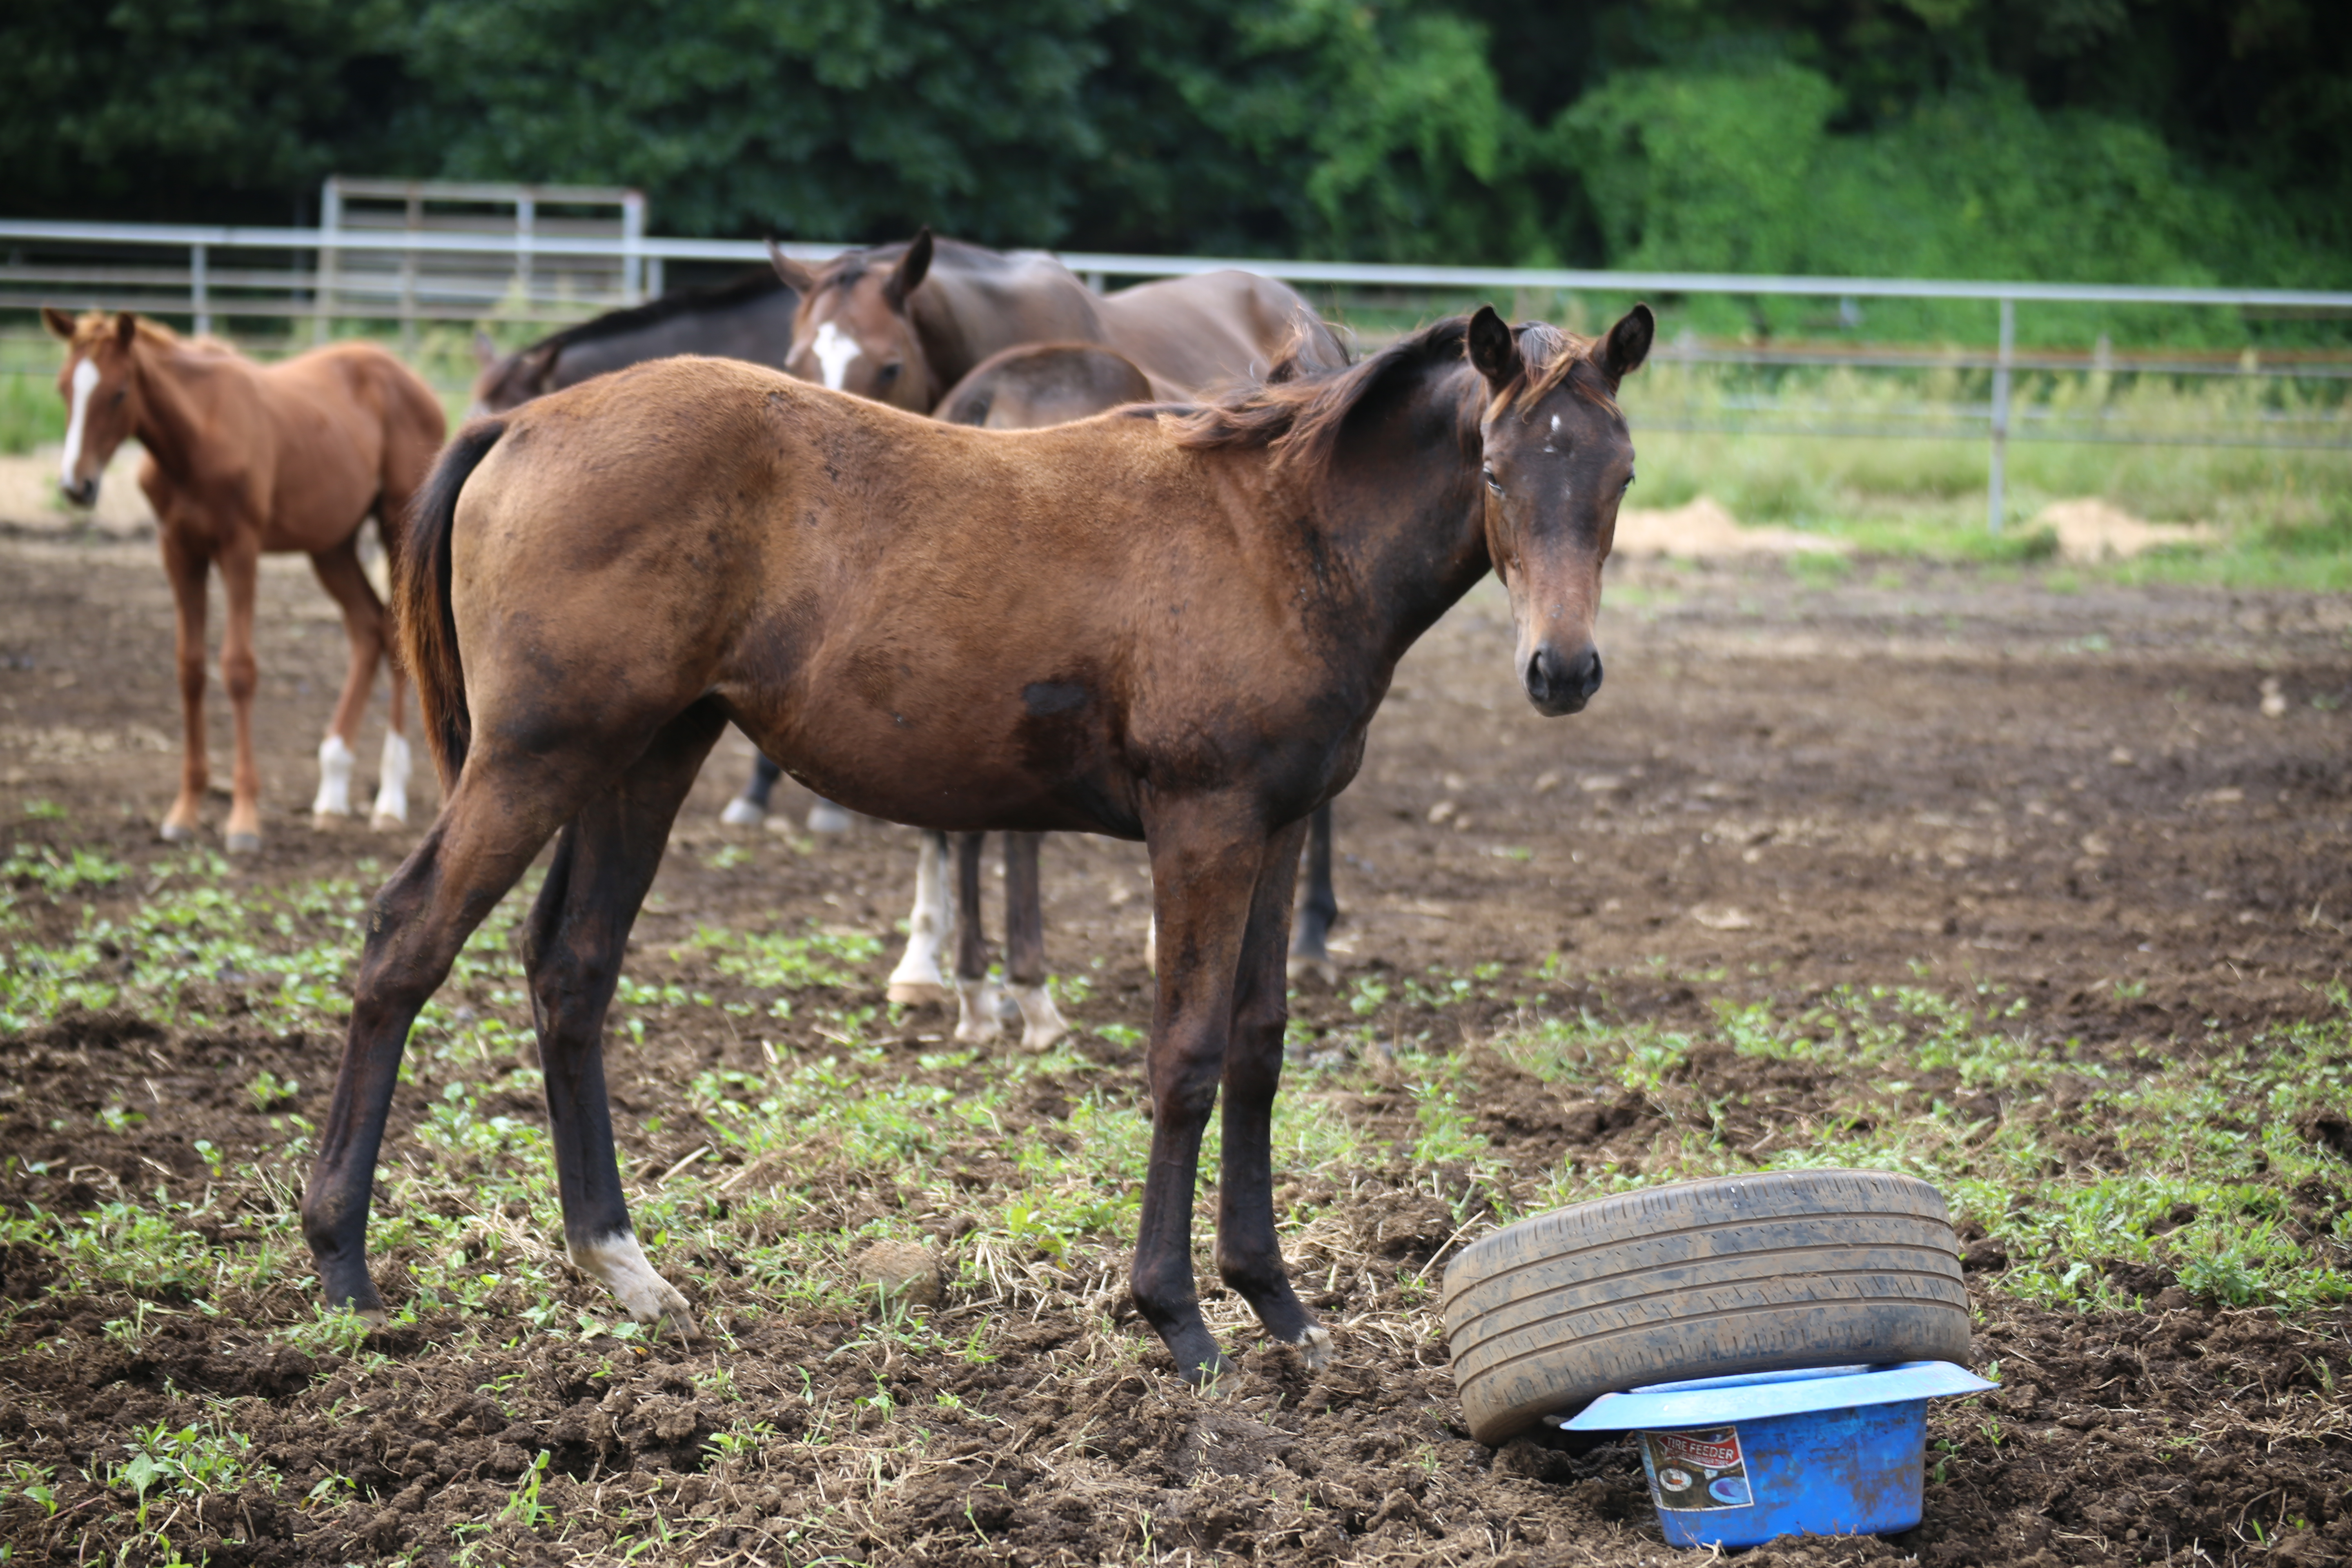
(335, 763)
(85, 382)
(174, 833)
(826, 817)
(836, 350)
(1151, 945)
(392, 784)
(1042, 1022)
(742, 812)
(619, 1263)
(915, 993)
(976, 1022)
(1314, 1348)
(244, 843)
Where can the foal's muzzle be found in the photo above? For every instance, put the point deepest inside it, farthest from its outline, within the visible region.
(81, 492)
(1561, 683)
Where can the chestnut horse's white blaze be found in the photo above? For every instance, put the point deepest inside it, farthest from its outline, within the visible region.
(85, 382)
(836, 350)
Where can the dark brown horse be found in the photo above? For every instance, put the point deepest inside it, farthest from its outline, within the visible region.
(748, 318)
(595, 586)
(244, 459)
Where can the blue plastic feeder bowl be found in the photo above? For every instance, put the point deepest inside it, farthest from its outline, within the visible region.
(1734, 1461)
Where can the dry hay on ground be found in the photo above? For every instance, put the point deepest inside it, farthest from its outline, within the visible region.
(1703, 528)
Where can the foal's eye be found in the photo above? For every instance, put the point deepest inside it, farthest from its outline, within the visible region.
(1493, 483)
(1629, 481)
(886, 375)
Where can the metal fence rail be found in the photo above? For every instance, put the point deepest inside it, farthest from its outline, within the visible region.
(420, 272)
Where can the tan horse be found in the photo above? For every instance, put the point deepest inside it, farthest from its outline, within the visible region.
(595, 586)
(244, 459)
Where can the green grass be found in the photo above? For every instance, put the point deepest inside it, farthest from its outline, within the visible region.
(31, 412)
(2191, 1164)
(2285, 516)
(755, 1182)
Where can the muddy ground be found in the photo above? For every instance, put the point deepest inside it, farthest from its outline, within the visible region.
(1795, 780)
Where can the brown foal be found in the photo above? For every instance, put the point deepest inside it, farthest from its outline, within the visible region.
(244, 459)
(593, 587)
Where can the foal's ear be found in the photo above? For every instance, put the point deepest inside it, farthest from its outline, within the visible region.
(1628, 344)
(796, 273)
(126, 327)
(60, 325)
(909, 274)
(1494, 349)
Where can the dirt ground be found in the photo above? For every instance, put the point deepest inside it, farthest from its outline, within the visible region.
(2130, 808)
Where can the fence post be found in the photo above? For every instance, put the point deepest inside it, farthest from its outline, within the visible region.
(526, 218)
(408, 277)
(322, 296)
(633, 236)
(196, 297)
(1997, 499)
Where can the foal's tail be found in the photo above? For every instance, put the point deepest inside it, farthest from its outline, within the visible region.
(420, 594)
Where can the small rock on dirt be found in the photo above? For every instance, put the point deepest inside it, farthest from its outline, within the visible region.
(902, 1271)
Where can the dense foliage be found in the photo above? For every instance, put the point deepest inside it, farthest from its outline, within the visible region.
(2141, 139)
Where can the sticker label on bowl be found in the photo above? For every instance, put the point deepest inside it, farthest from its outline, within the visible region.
(1702, 1468)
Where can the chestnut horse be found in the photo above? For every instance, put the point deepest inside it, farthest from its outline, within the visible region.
(593, 587)
(244, 459)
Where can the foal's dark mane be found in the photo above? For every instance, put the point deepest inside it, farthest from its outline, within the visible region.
(1301, 408)
(748, 284)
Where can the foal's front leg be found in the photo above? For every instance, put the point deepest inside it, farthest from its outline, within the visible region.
(976, 1017)
(240, 570)
(188, 570)
(1205, 863)
(1041, 1024)
(1249, 1256)
(917, 978)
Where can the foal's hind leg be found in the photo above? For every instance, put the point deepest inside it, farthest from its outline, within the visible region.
(1318, 906)
(500, 812)
(604, 862)
(1249, 1256)
(1042, 1023)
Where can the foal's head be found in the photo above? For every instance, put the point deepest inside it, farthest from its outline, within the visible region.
(853, 333)
(100, 387)
(1557, 458)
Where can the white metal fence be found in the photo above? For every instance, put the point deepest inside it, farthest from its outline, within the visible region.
(416, 271)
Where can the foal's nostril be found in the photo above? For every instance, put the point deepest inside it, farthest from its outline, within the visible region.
(1588, 673)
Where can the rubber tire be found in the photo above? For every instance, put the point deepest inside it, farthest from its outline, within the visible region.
(1737, 1274)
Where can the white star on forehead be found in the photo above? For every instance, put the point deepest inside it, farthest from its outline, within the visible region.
(835, 351)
